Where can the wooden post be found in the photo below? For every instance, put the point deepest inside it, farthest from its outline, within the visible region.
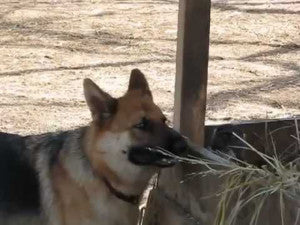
(170, 202)
(191, 68)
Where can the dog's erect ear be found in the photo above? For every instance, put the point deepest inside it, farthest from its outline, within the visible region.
(101, 104)
(138, 82)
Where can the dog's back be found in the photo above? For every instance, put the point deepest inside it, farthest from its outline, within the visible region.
(19, 189)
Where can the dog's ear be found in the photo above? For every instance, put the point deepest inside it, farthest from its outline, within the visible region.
(138, 82)
(101, 104)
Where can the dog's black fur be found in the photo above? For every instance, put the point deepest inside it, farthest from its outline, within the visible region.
(19, 186)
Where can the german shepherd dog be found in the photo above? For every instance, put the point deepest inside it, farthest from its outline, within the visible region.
(92, 175)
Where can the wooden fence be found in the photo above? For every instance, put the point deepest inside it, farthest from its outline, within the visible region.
(193, 201)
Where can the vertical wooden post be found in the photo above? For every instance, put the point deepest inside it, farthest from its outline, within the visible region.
(173, 202)
(191, 68)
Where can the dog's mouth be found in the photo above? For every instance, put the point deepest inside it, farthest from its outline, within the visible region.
(151, 156)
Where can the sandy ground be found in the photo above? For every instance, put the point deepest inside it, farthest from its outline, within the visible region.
(48, 48)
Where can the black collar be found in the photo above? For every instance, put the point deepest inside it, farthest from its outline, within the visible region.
(132, 199)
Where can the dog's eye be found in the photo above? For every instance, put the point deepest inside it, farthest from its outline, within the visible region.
(142, 124)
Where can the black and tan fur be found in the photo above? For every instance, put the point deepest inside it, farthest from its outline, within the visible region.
(91, 175)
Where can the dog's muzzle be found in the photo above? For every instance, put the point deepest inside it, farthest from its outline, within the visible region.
(160, 156)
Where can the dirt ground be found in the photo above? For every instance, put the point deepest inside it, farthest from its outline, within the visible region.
(47, 49)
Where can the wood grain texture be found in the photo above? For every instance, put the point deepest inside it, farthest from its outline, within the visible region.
(191, 68)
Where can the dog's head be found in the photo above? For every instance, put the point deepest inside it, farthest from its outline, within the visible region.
(126, 129)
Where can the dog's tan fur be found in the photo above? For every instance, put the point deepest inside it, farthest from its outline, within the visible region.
(72, 199)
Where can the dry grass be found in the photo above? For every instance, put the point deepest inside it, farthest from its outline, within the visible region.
(246, 183)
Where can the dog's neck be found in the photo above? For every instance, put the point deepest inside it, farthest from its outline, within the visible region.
(132, 199)
(80, 168)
